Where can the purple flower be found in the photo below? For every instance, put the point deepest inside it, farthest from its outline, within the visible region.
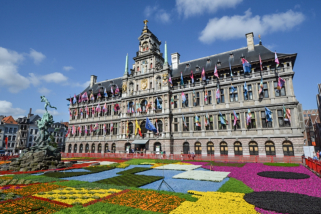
(17, 187)
(6, 187)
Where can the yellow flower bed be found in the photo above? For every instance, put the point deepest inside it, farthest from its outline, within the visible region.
(122, 165)
(215, 202)
(181, 163)
(71, 195)
(163, 164)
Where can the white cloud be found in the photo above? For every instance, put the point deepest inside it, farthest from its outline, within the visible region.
(34, 80)
(196, 7)
(68, 68)
(159, 14)
(82, 85)
(7, 109)
(42, 111)
(44, 91)
(230, 27)
(55, 77)
(36, 56)
(163, 16)
(9, 75)
(149, 10)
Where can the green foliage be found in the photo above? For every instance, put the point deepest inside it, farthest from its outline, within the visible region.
(83, 184)
(21, 176)
(225, 164)
(102, 208)
(95, 169)
(65, 174)
(234, 185)
(8, 196)
(134, 170)
(41, 178)
(282, 164)
(52, 141)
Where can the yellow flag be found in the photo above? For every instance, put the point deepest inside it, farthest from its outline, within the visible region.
(137, 127)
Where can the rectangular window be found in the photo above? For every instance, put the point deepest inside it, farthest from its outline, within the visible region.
(233, 96)
(209, 98)
(175, 125)
(197, 99)
(249, 95)
(279, 93)
(90, 112)
(237, 126)
(265, 124)
(282, 123)
(222, 96)
(265, 91)
(211, 125)
(186, 128)
(150, 85)
(175, 101)
(197, 127)
(107, 129)
(108, 110)
(15, 130)
(5, 130)
(252, 124)
(221, 126)
(184, 105)
(115, 129)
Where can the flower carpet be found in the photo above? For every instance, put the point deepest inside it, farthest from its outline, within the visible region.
(131, 186)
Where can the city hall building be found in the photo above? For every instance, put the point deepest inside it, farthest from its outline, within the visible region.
(192, 115)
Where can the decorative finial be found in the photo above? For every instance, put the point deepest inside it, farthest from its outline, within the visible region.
(260, 39)
(145, 22)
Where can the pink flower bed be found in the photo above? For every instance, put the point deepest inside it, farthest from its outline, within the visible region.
(248, 175)
(265, 211)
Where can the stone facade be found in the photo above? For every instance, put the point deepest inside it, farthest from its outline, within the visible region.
(148, 82)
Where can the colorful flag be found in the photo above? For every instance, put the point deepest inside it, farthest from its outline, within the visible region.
(182, 80)
(203, 75)
(205, 96)
(92, 97)
(127, 130)
(138, 129)
(158, 104)
(76, 112)
(246, 66)
(112, 90)
(261, 86)
(194, 98)
(68, 132)
(86, 131)
(138, 108)
(268, 115)
(79, 99)
(111, 127)
(280, 83)
(207, 119)
(6, 141)
(116, 107)
(75, 99)
(197, 121)
(105, 130)
(218, 94)
(235, 118)
(84, 97)
(192, 77)
(248, 117)
(261, 65)
(215, 72)
(223, 120)
(105, 108)
(286, 114)
(70, 114)
(81, 112)
(91, 128)
(73, 130)
(87, 110)
(149, 125)
(98, 95)
(117, 90)
(245, 90)
(232, 89)
(105, 93)
(172, 100)
(170, 80)
(93, 110)
(185, 125)
(276, 60)
(128, 109)
(183, 98)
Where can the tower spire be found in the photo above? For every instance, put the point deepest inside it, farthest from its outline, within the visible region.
(126, 65)
(165, 62)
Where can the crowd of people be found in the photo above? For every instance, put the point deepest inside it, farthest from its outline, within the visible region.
(317, 155)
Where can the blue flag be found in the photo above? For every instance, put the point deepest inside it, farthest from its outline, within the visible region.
(268, 115)
(149, 126)
(232, 89)
(158, 104)
(74, 100)
(246, 66)
(230, 68)
(182, 80)
(105, 93)
(245, 90)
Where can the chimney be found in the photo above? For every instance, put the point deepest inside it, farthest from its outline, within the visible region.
(250, 41)
(29, 115)
(93, 80)
(175, 60)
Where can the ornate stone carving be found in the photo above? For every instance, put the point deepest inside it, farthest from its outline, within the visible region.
(165, 79)
(144, 84)
(124, 88)
(158, 66)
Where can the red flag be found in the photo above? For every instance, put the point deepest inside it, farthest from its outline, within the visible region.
(6, 141)
(215, 72)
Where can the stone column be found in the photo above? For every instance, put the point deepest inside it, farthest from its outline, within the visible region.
(271, 89)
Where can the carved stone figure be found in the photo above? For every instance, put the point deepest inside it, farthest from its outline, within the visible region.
(124, 87)
(159, 66)
(165, 79)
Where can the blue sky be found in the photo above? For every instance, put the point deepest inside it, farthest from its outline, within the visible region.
(52, 47)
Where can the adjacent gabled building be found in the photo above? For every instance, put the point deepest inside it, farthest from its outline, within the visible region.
(8, 128)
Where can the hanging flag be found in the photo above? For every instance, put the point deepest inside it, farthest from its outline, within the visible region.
(183, 98)
(79, 130)
(276, 60)
(215, 72)
(93, 110)
(87, 110)
(79, 99)
(133, 108)
(75, 99)
(185, 125)
(286, 114)
(97, 128)
(116, 107)
(138, 128)
(70, 114)
(248, 117)
(172, 100)
(205, 96)
(182, 80)
(261, 86)
(232, 89)
(235, 118)
(111, 127)
(76, 112)
(84, 97)
(170, 80)
(148, 105)
(127, 130)
(197, 121)
(194, 98)
(112, 90)
(203, 75)
(105, 93)
(245, 90)
(192, 77)
(261, 65)
(98, 108)
(91, 128)
(207, 119)
(92, 97)
(138, 108)
(98, 95)
(218, 95)
(246, 66)
(268, 115)
(67, 132)
(158, 104)
(128, 109)
(230, 68)
(6, 141)
(105, 108)
(223, 120)
(280, 83)
(117, 90)
(105, 130)
(86, 131)
(156, 125)
(81, 113)
(73, 130)
(149, 125)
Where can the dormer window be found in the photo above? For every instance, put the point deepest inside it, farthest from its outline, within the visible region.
(218, 63)
(197, 69)
(187, 65)
(208, 61)
(231, 56)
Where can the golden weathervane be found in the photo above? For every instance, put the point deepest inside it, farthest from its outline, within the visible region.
(145, 22)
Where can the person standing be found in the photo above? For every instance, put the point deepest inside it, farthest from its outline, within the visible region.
(318, 154)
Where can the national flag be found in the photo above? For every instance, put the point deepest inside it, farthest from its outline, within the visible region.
(87, 110)
(194, 98)
(172, 100)
(75, 99)
(81, 112)
(127, 130)
(91, 128)
(245, 90)
(215, 72)
(197, 121)
(79, 99)
(84, 97)
(207, 119)
(92, 97)
(105, 130)
(149, 125)
(105, 108)
(97, 128)
(70, 114)
(218, 94)
(6, 141)
(230, 68)
(170, 80)
(185, 125)
(182, 80)
(158, 104)
(86, 131)
(73, 130)
(138, 108)
(98, 108)
(76, 112)
(67, 132)
(223, 120)
(117, 90)
(138, 128)
(280, 83)
(203, 75)
(148, 106)
(248, 117)
(276, 60)
(93, 110)
(111, 127)
(98, 95)
(261, 65)
(156, 125)
(286, 114)
(112, 90)
(116, 107)
(261, 86)
(246, 66)
(268, 115)
(232, 89)
(235, 118)
(128, 110)
(183, 98)
(105, 93)
(192, 77)
(205, 96)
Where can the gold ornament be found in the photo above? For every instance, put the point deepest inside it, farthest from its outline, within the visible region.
(144, 84)
(124, 88)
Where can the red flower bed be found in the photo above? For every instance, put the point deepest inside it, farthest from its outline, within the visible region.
(104, 198)
(100, 159)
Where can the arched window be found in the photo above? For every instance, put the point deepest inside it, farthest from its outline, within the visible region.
(69, 148)
(80, 148)
(269, 148)
(127, 147)
(238, 148)
(158, 83)
(143, 129)
(99, 148)
(210, 148)
(157, 147)
(131, 128)
(223, 148)
(185, 148)
(75, 148)
(143, 106)
(159, 125)
(254, 149)
(288, 148)
(87, 148)
(92, 148)
(198, 148)
(106, 147)
(145, 46)
(158, 103)
(113, 147)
